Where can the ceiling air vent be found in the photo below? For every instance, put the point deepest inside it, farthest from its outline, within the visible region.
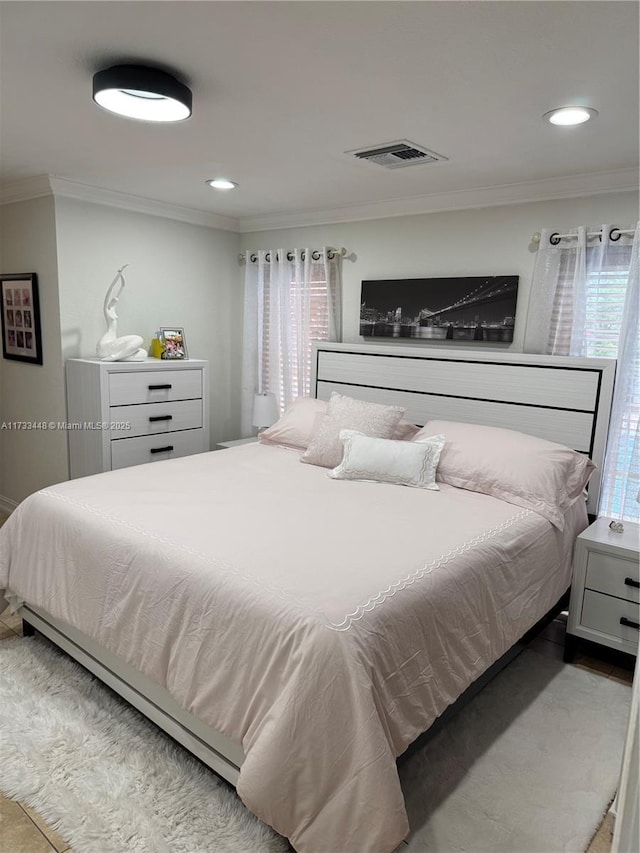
(395, 155)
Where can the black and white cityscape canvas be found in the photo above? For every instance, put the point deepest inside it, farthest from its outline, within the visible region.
(469, 308)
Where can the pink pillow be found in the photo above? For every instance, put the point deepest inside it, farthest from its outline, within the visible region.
(297, 425)
(521, 469)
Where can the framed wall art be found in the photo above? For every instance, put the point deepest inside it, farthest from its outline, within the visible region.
(21, 332)
(175, 345)
(469, 308)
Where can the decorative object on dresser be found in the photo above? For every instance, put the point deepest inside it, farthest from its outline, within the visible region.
(174, 343)
(21, 336)
(127, 413)
(110, 347)
(469, 308)
(605, 590)
(265, 410)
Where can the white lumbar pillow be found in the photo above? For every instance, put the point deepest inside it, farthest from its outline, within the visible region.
(405, 463)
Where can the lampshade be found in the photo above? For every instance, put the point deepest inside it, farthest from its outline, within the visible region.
(265, 410)
(148, 94)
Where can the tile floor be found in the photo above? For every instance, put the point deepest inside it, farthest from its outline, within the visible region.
(23, 831)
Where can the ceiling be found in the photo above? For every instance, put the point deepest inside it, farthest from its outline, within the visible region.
(282, 89)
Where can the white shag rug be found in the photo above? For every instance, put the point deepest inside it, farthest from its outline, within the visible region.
(529, 766)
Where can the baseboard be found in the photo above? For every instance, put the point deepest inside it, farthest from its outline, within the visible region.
(7, 506)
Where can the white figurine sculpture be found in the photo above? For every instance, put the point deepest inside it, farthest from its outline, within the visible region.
(110, 347)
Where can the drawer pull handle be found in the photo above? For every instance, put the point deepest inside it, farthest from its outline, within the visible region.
(629, 623)
(161, 449)
(160, 387)
(160, 418)
(631, 582)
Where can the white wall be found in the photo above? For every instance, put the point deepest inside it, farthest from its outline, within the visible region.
(32, 459)
(484, 241)
(178, 274)
(188, 275)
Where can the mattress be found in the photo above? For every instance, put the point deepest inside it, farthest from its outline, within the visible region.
(320, 624)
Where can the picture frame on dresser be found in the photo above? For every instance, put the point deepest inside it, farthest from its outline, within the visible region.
(21, 329)
(174, 343)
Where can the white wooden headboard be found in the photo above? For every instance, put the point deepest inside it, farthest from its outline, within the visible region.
(567, 400)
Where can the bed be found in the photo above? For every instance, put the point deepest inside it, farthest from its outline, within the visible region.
(296, 632)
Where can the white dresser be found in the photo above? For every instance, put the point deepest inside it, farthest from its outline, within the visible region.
(124, 413)
(605, 589)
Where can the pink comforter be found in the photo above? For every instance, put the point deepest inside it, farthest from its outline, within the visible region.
(321, 624)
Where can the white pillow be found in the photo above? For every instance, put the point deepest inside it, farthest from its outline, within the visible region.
(343, 412)
(386, 461)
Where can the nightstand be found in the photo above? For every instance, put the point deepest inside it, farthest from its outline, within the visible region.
(222, 445)
(605, 589)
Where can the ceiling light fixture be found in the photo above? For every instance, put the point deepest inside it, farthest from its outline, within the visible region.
(147, 94)
(567, 116)
(222, 184)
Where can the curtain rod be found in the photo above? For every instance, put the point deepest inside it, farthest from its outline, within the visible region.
(316, 254)
(555, 238)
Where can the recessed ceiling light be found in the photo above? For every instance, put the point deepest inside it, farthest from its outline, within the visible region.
(147, 94)
(567, 116)
(222, 184)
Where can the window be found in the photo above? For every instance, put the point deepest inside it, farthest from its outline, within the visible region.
(604, 321)
(291, 299)
(604, 299)
(287, 341)
(606, 291)
(584, 303)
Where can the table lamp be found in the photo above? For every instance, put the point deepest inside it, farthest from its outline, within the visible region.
(265, 410)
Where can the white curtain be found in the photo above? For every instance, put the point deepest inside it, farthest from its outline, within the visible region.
(584, 302)
(290, 299)
(621, 482)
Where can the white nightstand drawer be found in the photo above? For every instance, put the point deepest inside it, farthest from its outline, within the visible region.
(603, 613)
(613, 575)
(156, 418)
(154, 386)
(154, 448)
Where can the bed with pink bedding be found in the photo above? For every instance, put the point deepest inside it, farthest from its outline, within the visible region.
(319, 624)
(297, 626)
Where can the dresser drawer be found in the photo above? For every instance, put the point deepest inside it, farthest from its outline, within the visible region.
(613, 575)
(154, 448)
(154, 386)
(156, 418)
(603, 613)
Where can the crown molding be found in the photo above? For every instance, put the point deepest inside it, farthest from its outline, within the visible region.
(83, 192)
(44, 185)
(573, 186)
(25, 189)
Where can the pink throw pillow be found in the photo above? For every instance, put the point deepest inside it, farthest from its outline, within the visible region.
(296, 427)
(521, 469)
